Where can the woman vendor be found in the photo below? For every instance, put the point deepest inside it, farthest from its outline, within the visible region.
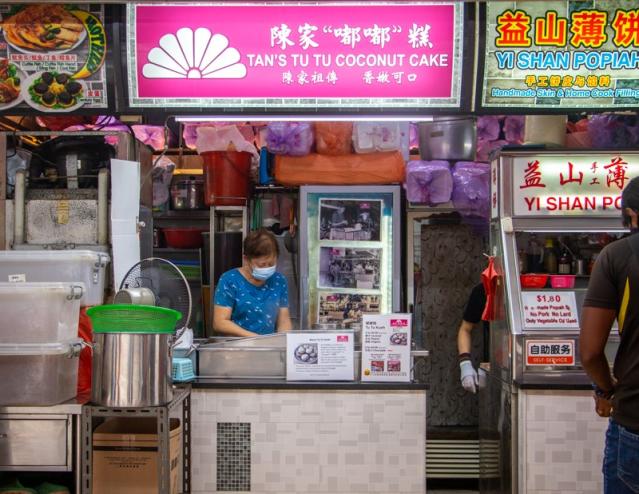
(253, 300)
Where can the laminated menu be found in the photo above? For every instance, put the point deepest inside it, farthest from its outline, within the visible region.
(52, 57)
(320, 356)
(386, 344)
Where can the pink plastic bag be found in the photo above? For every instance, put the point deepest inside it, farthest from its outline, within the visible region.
(428, 182)
(289, 138)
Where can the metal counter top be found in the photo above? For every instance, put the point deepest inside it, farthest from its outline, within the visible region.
(204, 383)
(71, 407)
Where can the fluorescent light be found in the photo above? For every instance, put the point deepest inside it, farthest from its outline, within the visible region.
(305, 118)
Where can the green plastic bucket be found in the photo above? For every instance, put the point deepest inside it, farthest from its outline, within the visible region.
(125, 318)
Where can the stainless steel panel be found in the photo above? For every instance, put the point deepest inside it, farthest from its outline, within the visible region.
(497, 435)
(236, 362)
(276, 340)
(35, 442)
(242, 363)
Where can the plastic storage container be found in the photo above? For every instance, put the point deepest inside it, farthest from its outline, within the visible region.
(370, 137)
(562, 281)
(39, 313)
(75, 266)
(533, 280)
(39, 375)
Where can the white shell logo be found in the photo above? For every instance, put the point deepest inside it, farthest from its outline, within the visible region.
(194, 55)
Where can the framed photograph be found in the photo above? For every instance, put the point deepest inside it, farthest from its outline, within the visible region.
(345, 308)
(350, 219)
(343, 267)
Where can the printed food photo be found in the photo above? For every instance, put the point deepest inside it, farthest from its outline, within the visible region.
(53, 91)
(11, 78)
(40, 28)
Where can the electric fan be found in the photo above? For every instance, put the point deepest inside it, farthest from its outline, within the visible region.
(156, 281)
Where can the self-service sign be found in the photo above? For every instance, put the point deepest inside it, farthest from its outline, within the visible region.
(550, 310)
(550, 352)
(576, 185)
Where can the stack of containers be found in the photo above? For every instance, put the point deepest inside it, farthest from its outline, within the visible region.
(41, 293)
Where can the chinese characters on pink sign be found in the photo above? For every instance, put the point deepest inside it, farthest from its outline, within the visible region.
(576, 185)
(294, 51)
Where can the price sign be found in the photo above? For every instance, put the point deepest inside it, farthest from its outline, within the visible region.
(550, 352)
(550, 310)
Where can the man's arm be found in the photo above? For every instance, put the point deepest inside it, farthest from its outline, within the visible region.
(469, 379)
(464, 339)
(595, 328)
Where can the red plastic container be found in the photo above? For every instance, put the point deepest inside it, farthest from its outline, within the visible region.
(562, 281)
(533, 280)
(226, 177)
(183, 238)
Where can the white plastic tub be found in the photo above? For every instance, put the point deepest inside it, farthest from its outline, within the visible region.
(371, 137)
(75, 266)
(39, 313)
(38, 375)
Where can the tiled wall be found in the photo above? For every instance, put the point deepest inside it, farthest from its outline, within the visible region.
(325, 441)
(562, 443)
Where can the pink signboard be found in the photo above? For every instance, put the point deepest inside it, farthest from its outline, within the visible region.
(194, 55)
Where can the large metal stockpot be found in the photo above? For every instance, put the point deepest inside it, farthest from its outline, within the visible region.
(132, 363)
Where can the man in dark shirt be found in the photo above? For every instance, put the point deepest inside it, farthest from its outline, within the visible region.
(613, 293)
(472, 316)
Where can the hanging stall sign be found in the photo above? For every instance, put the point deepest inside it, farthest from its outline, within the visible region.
(335, 55)
(386, 344)
(568, 57)
(550, 352)
(576, 185)
(52, 57)
(547, 310)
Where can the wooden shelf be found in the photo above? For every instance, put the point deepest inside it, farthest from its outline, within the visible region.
(173, 250)
(193, 214)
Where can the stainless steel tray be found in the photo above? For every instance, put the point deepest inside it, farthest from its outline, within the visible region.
(237, 361)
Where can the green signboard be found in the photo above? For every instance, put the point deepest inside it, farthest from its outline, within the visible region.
(562, 54)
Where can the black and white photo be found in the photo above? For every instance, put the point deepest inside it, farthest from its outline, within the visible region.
(343, 267)
(350, 219)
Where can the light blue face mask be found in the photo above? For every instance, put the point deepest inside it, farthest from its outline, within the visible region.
(263, 274)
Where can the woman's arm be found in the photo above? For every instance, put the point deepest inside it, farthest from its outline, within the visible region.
(284, 320)
(222, 322)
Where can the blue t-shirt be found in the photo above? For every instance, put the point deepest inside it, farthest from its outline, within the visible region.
(254, 308)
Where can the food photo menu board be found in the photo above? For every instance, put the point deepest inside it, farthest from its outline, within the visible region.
(52, 57)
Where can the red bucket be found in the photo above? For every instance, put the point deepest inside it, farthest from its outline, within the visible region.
(226, 177)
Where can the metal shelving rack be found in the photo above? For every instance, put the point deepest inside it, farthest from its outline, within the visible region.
(217, 217)
(182, 396)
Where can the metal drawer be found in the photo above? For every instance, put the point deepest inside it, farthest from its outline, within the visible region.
(36, 442)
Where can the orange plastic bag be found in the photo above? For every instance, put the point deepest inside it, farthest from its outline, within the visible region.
(333, 138)
(350, 169)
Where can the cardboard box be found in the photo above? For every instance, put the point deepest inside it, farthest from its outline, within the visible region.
(125, 456)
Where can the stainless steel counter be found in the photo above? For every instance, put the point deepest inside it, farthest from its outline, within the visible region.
(71, 407)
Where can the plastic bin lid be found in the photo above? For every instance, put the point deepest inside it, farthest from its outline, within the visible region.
(45, 285)
(60, 348)
(45, 255)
